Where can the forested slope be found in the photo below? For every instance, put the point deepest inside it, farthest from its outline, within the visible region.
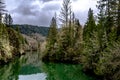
(11, 43)
(29, 29)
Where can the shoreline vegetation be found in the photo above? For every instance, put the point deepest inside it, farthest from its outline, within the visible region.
(96, 45)
(11, 43)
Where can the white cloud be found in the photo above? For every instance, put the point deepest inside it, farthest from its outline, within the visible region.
(52, 5)
(83, 5)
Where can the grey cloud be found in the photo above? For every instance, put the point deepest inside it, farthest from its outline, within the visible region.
(40, 18)
(27, 13)
(46, 0)
(44, 19)
(32, 14)
(25, 8)
(55, 6)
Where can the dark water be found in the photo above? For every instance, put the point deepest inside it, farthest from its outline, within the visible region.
(30, 67)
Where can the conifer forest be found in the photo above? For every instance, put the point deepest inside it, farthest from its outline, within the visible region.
(66, 49)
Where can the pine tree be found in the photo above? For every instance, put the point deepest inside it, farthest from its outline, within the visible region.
(51, 40)
(52, 32)
(91, 42)
(118, 18)
(102, 34)
(90, 26)
(109, 11)
(8, 19)
(66, 44)
(78, 39)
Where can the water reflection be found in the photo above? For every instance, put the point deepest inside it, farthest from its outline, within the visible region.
(10, 71)
(38, 76)
(27, 67)
(65, 72)
(30, 67)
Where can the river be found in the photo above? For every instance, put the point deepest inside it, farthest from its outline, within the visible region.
(30, 67)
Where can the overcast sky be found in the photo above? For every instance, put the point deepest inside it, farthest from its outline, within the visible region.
(40, 12)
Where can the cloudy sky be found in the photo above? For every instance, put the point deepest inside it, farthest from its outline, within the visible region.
(40, 12)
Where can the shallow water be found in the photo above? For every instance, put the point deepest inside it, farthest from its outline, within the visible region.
(30, 67)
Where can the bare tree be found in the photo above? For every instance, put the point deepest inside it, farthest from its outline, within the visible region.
(66, 12)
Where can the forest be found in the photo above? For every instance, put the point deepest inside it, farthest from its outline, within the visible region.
(96, 45)
(29, 29)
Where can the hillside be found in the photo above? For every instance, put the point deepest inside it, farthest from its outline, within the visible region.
(11, 43)
(30, 29)
(33, 42)
(34, 35)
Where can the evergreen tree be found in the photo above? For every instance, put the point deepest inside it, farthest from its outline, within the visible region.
(91, 42)
(67, 45)
(2, 10)
(52, 32)
(90, 26)
(100, 41)
(78, 39)
(118, 18)
(66, 32)
(51, 39)
(109, 13)
(102, 34)
(108, 17)
(8, 19)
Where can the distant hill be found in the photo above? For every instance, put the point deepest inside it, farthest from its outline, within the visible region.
(34, 35)
(29, 29)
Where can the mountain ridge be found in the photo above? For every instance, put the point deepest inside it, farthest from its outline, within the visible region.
(29, 29)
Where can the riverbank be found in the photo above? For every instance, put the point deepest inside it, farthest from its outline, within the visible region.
(30, 67)
(11, 43)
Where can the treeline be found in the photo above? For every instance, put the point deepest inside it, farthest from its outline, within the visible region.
(96, 45)
(30, 29)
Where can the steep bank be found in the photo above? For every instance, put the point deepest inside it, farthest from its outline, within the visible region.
(11, 43)
(33, 42)
(34, 35)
